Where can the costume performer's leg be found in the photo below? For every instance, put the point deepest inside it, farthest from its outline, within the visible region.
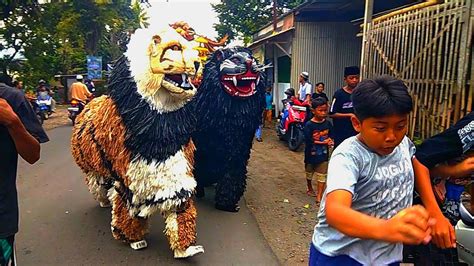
(99, 187)
(129, 229)
(180, 229)
(231, 187)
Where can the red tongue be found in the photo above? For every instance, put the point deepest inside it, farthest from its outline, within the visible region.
(245, 89)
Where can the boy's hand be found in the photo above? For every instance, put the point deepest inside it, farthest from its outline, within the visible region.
(410, 226)
(464, 168)
(330, 142)
(443, 233)
(7, 115)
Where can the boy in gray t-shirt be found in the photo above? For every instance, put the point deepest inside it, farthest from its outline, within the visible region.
(366, 212)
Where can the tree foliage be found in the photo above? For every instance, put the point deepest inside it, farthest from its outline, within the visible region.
(241, 19)
(40, 41)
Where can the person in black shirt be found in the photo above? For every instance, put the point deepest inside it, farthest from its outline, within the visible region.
(319, 92)
(20, 133)
(341, 108)
(317, 134)
(449, 158)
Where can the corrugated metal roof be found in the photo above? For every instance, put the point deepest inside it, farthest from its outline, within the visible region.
(270, 38)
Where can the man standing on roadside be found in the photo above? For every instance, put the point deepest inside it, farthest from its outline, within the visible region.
(341, 107)
(20, 134)
(306, 89)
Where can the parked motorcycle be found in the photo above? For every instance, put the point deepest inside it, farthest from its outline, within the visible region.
(465, 235)
(291, 129)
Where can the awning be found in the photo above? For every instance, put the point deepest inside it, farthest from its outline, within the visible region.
(280, 37)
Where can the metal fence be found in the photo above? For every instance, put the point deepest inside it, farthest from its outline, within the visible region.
(431, 50)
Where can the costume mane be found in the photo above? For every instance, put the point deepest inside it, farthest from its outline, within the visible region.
(227, 120)
(153, 135)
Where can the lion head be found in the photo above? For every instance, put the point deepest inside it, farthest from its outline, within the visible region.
(239, 71)
(163, 65)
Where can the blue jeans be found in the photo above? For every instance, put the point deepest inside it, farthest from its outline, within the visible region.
(317, 258)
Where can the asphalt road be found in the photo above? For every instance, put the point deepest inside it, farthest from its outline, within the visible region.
(61, 224)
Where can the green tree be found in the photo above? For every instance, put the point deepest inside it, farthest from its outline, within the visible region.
(241, 19)
(55, 37)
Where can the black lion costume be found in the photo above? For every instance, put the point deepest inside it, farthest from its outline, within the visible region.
(229, 105)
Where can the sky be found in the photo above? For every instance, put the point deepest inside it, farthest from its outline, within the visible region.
(198, 14)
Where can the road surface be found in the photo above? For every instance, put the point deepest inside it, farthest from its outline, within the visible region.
(61, 224)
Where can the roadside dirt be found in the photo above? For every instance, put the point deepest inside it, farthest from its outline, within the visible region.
(58, 119)
(276, 194)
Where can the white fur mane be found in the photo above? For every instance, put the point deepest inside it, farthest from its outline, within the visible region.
(161, 99)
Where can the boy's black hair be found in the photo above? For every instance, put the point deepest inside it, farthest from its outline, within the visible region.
(319, 83)
(318, 102)
(381, 96)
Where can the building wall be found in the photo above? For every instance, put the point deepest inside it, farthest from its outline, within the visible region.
(273, 53)
(323, 49)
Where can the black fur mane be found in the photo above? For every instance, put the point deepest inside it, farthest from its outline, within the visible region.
(152, 135)
(226, 124)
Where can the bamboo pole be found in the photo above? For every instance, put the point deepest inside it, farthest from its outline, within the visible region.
(404, 10)
(440, 72)
(471, 83)
(454, 73)
(389, 42)
(465, 50)
(429, 76)
(377, 56)
(395, 47)
(446, 70)
(409, 76)
(383, 40)
(415, 113)
(403, 32)
(416, 66)
(369, 7)
(426, 40)
(437, 85)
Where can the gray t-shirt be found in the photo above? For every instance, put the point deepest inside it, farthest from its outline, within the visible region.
(381, 186)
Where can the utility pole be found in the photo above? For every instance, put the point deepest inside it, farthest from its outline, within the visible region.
(274, 11)
(369, 9)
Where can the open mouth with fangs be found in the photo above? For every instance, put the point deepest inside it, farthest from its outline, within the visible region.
(241, 85)
(182, 81)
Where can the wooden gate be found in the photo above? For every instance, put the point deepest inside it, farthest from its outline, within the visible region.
(430, 49)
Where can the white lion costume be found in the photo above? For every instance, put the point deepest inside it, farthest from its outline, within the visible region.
(135, 145)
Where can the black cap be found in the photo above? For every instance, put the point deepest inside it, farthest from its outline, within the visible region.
(351, 70)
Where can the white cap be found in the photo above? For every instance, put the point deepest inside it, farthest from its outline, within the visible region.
(305, 74)
(79, 77)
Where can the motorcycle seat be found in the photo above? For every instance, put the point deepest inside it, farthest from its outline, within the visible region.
(466, 214)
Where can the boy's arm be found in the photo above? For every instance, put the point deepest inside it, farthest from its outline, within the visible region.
(410, 226)
(442, 231)
(459, 170)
